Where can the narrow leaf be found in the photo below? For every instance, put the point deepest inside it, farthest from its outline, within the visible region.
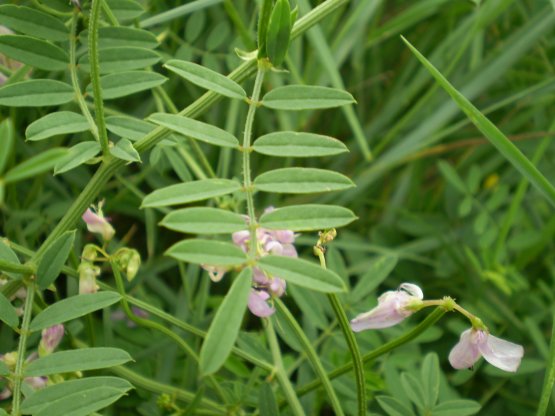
(457, 408)
(293, 144)
(77, 360)
(491, 132)
(126, 10)
(77, 155)
(302, 273)
(393, 406)
(36, 165)
(79, 397)
(7, 139)
(61, 122)
(8, 314)
(124, 150)
(306, 97)
(206, 78)
(36, 93)
(72, 308)
(54, 258)
(309, 217)
(4, 371)
(121, 58)
(302, 180)
(111, 36)
(279, 32)
(204, 220)
(377, 271)
(267, 402)
(190, 192)
(128, 127)
(211, 252)
(430, 379)
(34, 52)
(225, 326)
(195, 129)
(33, 22)
(122, 84)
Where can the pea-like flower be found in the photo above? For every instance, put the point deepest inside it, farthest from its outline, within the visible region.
(393, 307)
(97, 223)
(50, 339)
(258, 303)
(475, 343)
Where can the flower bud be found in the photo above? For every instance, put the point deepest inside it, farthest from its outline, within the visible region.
(87, 277)
(51, 338)
(128, 261)
(89, 253)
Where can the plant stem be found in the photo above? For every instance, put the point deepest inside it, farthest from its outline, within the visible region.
(74, 78)
(290, 395)
(247, 181)
(21, 350)
(549, 379)
(312, 357)
(95, 75)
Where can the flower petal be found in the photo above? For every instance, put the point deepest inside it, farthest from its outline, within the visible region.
(257, 304)
(387, 313)
(502, 354)
(412, 290)
(465, 353)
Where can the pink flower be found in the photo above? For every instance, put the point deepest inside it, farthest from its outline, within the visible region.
(258, 304)
(98, 224)
(393, 307)
(51, 338)
(474, 343)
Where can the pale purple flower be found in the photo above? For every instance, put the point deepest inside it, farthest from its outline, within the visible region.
(50, 339)
(474, 343)
(393, 307)
(98, 224)
(258, 303)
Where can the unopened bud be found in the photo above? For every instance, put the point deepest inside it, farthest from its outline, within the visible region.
(128, 261)
(51, 338)
(87, 277)
(89, 253)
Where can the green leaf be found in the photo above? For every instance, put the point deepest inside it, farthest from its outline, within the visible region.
(36, 165)
(393, 407)
(306, 97)
(302, 273)
(78, 154)
(76, 360)
(451, 176)
(225, 326)
(263, 22)
(128, 127)
(122, 84)
(34, 52)
(121, 58)
(7, 140)
(125, 10)
(378, 270)
(210, 252)
(457, 408)
(293, 144)
(491, 132)
(53, 124)
(279, 32)
(413, 389)
(309, 217)
(54, 258)
(111, 37)
(8, 314)
(75, 397)
(429, 377)
(267, 403)
(204, 220)
(72, 308)
(124, 150)
(184, 193)
(195, 129)
(4, 371)
(33, 22)
(301, 180)
(206, 78)
(36, 93)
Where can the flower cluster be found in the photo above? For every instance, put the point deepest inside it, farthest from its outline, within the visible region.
(277, 242)
(395, 306)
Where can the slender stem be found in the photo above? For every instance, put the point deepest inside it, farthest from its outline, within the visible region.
(430, 320)
(109, 14)
(74, 78)
(95, 74)
(21, 350)
(8, 266)
(247, 181)
(290, 395)
(549, 379)
(351, 341)
(312, 357)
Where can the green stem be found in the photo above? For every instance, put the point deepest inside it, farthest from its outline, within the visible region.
(8, 266)
(290, 395)
(109, 14)
(157, 327)
(430, 320)
(247, 181)
(549, 376)
(21, 350)
(74, 78)
(312, 357)
(95, 74)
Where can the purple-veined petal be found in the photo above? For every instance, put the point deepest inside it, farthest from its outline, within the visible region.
(465, 353)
